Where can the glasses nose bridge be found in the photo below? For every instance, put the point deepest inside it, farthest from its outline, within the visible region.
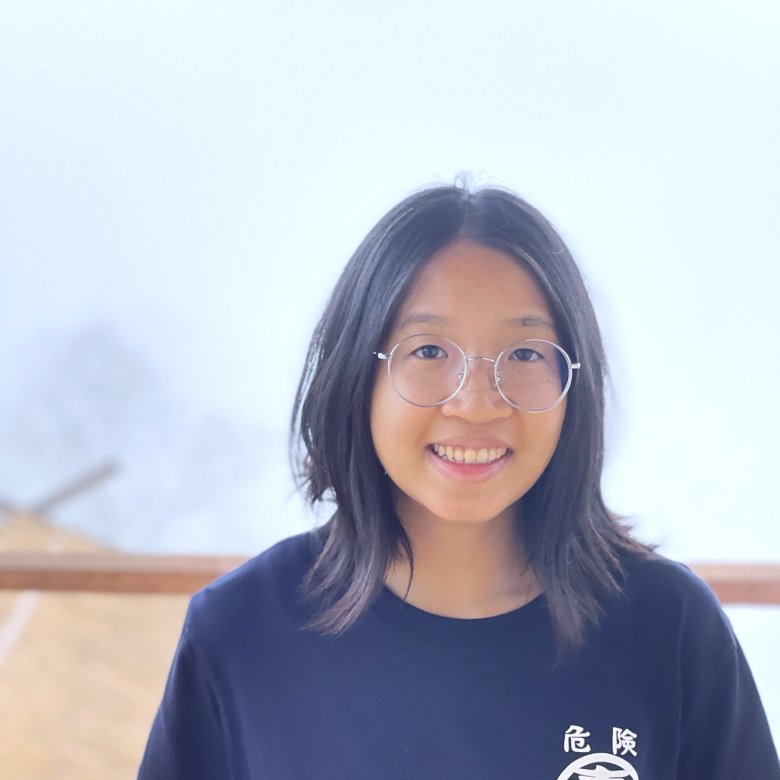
(493, 382)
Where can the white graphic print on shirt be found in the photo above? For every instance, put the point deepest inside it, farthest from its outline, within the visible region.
(599, 766)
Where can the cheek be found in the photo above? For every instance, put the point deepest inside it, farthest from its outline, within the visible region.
(385, 429)
(549, 434)
(396, 427)
(541, 436)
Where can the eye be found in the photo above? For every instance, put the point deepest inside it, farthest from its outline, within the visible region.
(526, 355)
(429, 352)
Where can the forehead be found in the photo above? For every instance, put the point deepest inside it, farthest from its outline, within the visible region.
(469, 284)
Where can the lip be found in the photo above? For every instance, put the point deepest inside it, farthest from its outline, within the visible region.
(468, 472)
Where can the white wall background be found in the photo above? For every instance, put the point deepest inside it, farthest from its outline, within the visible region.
(181, 183)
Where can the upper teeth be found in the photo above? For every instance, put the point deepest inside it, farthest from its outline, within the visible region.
(469, 455)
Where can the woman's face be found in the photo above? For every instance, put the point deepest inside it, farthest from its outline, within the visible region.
(483, 300)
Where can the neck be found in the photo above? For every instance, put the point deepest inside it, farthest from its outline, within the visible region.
(462, 569)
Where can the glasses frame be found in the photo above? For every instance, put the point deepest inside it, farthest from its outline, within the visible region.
(464, 374)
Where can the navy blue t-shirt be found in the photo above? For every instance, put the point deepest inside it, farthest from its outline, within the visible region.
(661, 690)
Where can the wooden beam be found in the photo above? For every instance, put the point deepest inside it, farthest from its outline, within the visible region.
(111, 572)
(733, 583)
(742, 583)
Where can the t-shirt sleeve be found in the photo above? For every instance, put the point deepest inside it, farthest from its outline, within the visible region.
(186, 740)
(725, 733)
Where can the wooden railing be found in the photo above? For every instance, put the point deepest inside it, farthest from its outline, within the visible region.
(733, 583)
(111, 572)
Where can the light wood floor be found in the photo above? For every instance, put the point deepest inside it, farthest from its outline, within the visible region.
(80, 674)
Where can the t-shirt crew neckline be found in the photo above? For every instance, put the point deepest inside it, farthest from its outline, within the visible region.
(393, 610)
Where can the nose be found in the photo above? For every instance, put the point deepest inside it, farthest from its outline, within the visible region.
(478, 399)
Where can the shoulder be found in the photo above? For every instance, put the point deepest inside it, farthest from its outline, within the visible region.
(691, 647)
(656, 576)
(669, 594)
(263, 593)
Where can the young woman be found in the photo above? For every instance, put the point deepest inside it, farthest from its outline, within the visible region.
(472, 609)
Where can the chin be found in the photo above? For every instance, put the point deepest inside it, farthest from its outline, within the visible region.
(459, 513)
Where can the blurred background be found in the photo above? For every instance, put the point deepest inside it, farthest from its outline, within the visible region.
(180, 186)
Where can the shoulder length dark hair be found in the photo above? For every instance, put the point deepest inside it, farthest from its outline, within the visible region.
(572, 540)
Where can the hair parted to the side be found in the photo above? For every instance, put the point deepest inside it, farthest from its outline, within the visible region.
(570, 537)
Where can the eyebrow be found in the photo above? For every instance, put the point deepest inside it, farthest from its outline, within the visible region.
(419, 318)
(423, 318)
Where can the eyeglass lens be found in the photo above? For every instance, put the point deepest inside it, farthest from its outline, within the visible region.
(428, 370)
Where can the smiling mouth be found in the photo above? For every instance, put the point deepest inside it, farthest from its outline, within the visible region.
(468, 455)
